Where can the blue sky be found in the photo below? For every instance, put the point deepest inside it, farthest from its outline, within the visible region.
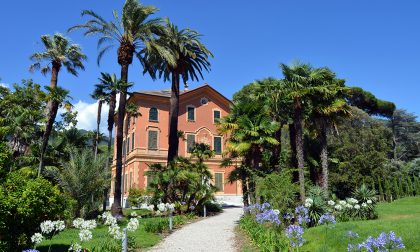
(371, 44)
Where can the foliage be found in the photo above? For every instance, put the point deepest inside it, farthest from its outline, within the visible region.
(135, 196)
(30, 201)
(160, 224)
(84, 178)
(406, 137)
(278, 190)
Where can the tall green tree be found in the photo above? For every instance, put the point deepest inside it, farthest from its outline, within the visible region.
(131, 32)
(405, 135)
(187, 57)
(58, 52)
(101, 96)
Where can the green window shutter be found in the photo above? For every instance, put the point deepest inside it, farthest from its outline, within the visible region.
(216, 116)
(132, 141)
(153, 135)
(191, 113)
(217, 145)
(190, 143)
(128, 145)
(153, 114)
(218, 181)
(123, 148)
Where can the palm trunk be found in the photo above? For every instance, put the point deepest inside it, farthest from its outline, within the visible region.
(98, 123)
(324, 155)
(52, 108)
(111, 113)
(245, 193)
(297, 121)
(116, 208)
(173, 117)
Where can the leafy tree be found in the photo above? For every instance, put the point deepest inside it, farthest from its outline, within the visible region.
(131, 32)
(406, 135)
(186, 57)
(58, 52)
(84, 178)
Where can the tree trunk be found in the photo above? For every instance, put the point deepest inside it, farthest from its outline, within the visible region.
(245, 193)
(52, 108)
(116, 208)
(297, 120)
(275, 157)
(173, 117)
(98, 123)
(324, 155)
(111, 112)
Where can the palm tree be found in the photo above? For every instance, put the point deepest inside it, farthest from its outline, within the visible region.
(58, 52)
(187, 58)
(101, 96)
(300, 80)
(132, 32)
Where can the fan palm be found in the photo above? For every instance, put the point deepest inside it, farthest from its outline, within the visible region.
(132, 32)
(301, 80)
(186, 57)
(58, 52)
(101, 96)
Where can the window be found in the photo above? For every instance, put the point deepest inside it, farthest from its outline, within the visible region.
(131, 179)
(132, 141)
(128, 145)
(152, 140)
(191, 114)
(216, 116)
(218, 181)
(153, 115)
(204, 101)
(123, 148)
(190, 143)
(125, 183)
(217, 145)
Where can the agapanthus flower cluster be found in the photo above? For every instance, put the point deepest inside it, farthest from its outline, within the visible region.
(350, 234)
(294, 234)
(162, 207)
(115, 231)
(84, 224)
(147, 207)
(302, 215)
(331, 202)
(308, 202)
(133, 224)
(288, 216)
(75, 247)
(37, 238)
(257, 208)
(85, 235)
(384, 242)
(268, 216)
(327, 219)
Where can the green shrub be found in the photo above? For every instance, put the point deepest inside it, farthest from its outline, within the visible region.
(30, 201)
(135, 196)
(161, 224)
(278, 190)
(267, 238)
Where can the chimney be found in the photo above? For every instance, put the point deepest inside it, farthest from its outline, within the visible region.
(185, 86)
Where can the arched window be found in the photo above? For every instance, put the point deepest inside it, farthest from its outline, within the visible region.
(153, 114)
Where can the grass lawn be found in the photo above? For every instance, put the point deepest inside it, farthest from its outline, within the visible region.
(62, 241)
(401, 216)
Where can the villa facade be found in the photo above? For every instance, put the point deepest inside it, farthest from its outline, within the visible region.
(146, 141)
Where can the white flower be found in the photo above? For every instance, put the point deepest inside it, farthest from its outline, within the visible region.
(364, 205)
(352, 201)
(151, 207)
(158, 212)
(170, 207)
(37, 238)
(369, 201)
(75, 247)
(85, 235)
(59, 225)
(309, 200)
(47, 227)
(109, 220)
(307, 204)
(357, 206)
(276, 211)
(349, 206)
(88, 225)
(133, 214)
(331, 203)
(161, 207)
(342, 202)
(115, 232)
(78, 222)
(144, 206)
(132, 225)
(338, 207)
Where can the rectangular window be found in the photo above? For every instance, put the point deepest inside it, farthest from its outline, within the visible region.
(123, 148)
(132, 141)
(131, 179)
(190, 143)
(128, 145)
(153, 115)
(217, 145)
(125, 183)
(216, 116)
(152, 140)
(191, 114)
(218, 181)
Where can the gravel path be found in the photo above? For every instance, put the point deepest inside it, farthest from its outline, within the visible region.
(211, 234)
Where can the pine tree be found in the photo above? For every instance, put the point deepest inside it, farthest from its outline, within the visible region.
(381, 191)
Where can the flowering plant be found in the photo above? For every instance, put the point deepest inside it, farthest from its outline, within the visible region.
(294, 234)
(384, 242)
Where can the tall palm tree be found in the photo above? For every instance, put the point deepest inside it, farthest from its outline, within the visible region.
(58, 52)
(101, 96)
(131, 32)
(300, 81)
(187, 58)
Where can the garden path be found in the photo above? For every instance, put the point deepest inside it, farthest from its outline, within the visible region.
(210, 234)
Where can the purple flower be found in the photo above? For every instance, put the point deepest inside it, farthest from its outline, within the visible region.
(268, 216)
(351, 234)
(30, 250)
(294, 234)
(302, 215)
(384, 242)
(288, 216)
(327, 219)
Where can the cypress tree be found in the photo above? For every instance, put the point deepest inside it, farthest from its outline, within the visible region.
(409, 187)
(401, 188)
(381, 191)
(388, 191)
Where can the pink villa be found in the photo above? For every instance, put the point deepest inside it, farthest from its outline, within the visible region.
(146, 141)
